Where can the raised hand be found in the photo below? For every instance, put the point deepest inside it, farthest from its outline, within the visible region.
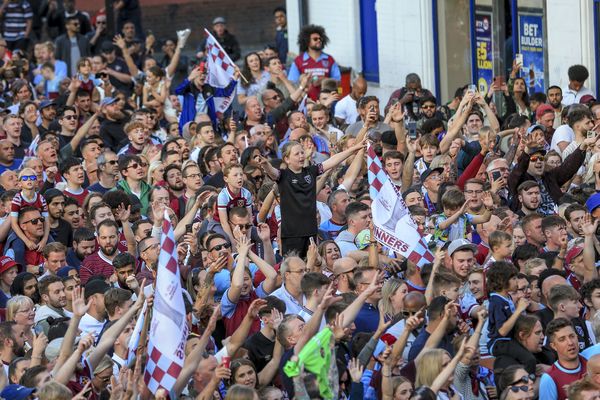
(356, 370)
(79, 306)
(255, 307)
(264, 232)
(243, 244)
(329, 298)
(589, 225)
(123, 213)
(337, 327)
(488, 200)
(375, 283)
(85, 343)
(276, 318)
(522, 305)
(119, 41)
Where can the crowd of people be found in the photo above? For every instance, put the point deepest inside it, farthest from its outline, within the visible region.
(287, 293)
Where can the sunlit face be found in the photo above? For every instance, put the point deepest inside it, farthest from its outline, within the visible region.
(474, 124)
(393, 166)
(296, 157)
(332, 253)
(476, 285)
(414, 199)
(565, 343)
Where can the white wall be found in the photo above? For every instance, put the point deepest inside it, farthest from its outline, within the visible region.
(405, 35)
(570, 31)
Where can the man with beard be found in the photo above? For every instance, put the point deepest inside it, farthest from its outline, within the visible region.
(312, 60)
(72, 45)
(192, 179)
(544, 116)
(343, 274)
(529, 198)
(111, 128)
(575, 217)
(7, 156)
(12, 341)
(54, 298)
(72, 170)
(59, 228)
(94, 319)
(100, 262)
(47, 114)
(84, 244)
(124, 264)
(133, 182)
(107, 172)
(554, 98)
(31, 223)
(13, 125)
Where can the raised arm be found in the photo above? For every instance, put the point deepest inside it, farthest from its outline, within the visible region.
(354, 169)
(460, 118)
(589, 251)
(351, 312)
(312, 327)
(338, 158)
(119, 41)
(237, 278)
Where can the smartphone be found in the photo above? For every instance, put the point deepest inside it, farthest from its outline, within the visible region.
(519, 59)
(472, 88)
(412, 129)
(591, 134)
(189, 228)
(496, 175)
(499, 80)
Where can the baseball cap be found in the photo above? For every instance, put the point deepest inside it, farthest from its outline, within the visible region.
(7, 263)
(461, 244)
(63, 272)
(219, 20)
(593, 202)
(16, 392)
(539, 150)
(107, 101)
(107, 47)
(428, 172)
(95, 286)
(46, 103)
(363, 239)
(53, 349)
(586, 99)
(542, 109)
(574, 252)
(534, 127)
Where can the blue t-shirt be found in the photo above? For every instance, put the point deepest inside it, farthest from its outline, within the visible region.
(499, 309)
(419, 343)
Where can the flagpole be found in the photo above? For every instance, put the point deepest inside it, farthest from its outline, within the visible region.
(373, 254)
(221, 48)
(142, 345)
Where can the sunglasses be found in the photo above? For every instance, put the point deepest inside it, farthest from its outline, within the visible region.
(70, 117)
(523, 388)
(26, 178)
(35, 221)
(427, 107)
(537, 158)
(112, 162)
(136, 165)
(220, 247)
(244, 226)
(151, 246)
(525, 379)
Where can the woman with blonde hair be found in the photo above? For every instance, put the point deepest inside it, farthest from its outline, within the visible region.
(392, 296)
(435, 369)
(155, 172)
(329, 252)
(22, 310)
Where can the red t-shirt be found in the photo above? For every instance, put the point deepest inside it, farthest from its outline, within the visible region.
(80, 197)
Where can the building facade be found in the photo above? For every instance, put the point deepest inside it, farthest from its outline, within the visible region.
(451, 43)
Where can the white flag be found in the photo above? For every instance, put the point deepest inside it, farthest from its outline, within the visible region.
(221, 70)
(168, 328)
(134, 340)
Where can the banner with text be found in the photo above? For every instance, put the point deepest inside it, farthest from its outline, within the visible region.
(483, 40)
(531, 45)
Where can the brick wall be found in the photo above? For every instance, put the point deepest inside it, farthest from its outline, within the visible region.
(251, 21)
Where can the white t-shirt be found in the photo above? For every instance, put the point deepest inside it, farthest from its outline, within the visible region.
(563, 133)
(346, 109)
(89, 324)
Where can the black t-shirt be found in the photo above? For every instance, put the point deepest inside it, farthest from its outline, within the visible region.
(216, 180)
(546, 315)
(260, 350)
(120, 66)
(63, 233)
(299, 201)
(112, 134)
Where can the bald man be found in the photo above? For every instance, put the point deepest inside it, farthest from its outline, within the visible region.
(593, 370)
(343, 274)
(345, 109)
(546, 315)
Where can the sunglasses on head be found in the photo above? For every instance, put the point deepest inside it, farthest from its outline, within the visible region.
(525, 379)
(221, 246)
(26, 178)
